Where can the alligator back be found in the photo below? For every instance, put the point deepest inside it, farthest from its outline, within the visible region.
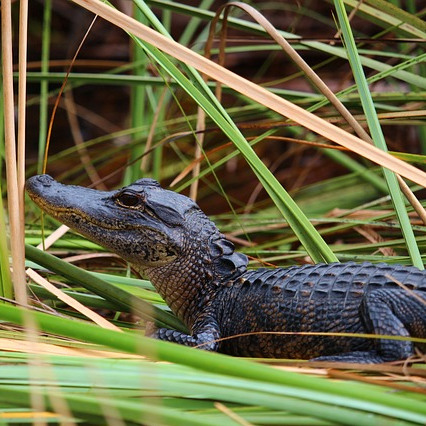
(312, 298)
(335, 279)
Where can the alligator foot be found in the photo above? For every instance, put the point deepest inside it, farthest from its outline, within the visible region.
(393, 313)
(388, 313)
(205, 334)
(204, 340)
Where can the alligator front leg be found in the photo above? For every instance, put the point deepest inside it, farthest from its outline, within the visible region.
(392, 313)
(205, 335)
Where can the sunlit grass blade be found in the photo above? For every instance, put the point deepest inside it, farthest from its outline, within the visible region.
(118, 382)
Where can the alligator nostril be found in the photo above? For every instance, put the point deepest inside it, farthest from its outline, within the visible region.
(46, 180)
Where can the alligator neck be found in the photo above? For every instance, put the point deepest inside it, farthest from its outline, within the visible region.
(185, 289)
(209, 263)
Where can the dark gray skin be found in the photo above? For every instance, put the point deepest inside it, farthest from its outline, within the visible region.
(168, 239)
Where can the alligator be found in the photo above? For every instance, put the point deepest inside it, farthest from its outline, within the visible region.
(267, 313)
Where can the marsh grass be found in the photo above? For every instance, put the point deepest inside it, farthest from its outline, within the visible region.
(61, 376)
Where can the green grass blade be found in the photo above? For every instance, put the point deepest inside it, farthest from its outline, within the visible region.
(393, 15)
(121, 379)
(389, 72)
(360, 396)
(139, 112)
(192, 26)
(245, 394)
(44, 85)
(119, 297)
(136, 412)
(6, 287)
(353, 165)
(377, 134)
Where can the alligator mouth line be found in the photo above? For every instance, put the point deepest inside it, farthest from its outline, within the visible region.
(63, 214)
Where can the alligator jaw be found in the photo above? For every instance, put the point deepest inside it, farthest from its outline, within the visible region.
(65, 202)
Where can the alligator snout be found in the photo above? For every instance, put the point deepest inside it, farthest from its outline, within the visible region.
(35, 183)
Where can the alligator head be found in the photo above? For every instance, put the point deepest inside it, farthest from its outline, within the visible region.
(161, 233)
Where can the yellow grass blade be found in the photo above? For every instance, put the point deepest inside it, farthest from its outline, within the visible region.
(14, 193)
(96, 318)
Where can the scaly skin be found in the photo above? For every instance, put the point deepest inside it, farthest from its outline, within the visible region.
(167, 238)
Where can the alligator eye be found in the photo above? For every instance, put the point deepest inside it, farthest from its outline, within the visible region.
(128, 199)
